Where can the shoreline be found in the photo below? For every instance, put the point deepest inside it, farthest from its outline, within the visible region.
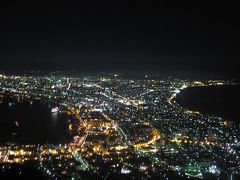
(200, 110)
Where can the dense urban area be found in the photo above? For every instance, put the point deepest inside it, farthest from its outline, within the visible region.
(125, 129)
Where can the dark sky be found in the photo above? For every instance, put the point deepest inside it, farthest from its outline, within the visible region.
(199, 37)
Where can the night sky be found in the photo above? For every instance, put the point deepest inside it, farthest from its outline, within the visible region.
(173, 37)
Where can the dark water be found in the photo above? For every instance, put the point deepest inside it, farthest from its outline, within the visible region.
(223, 101)
(37, 125)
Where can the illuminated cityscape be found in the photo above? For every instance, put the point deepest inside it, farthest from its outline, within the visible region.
(119, 90)
(124, 128)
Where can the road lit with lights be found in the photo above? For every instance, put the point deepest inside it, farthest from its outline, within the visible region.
(130, 128)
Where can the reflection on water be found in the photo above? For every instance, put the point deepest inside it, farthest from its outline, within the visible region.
(55, 117)
(36, 123)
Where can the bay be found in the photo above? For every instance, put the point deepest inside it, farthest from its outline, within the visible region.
(222, 101)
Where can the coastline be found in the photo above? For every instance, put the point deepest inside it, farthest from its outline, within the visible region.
(203, 110)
